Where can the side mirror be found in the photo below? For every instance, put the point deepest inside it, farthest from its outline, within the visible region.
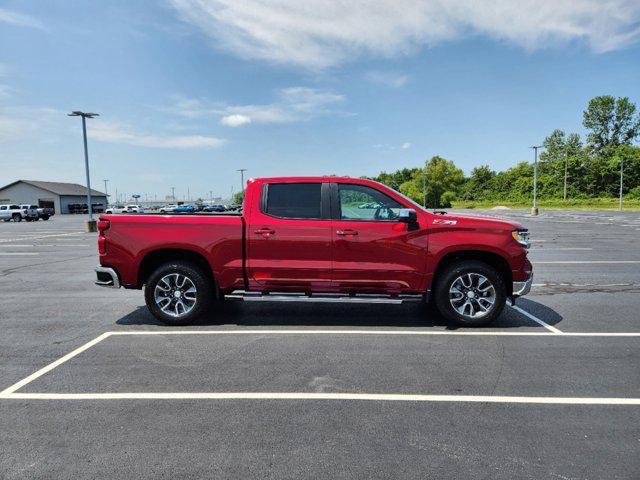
(407, 215)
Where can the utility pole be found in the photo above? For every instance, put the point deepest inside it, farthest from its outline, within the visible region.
(242, 170)
(566, 169)
(534, 210)
(424, 187)
(621, 174)
(211, 196)
(90, 225)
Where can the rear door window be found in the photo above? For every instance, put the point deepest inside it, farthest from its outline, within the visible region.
(294, 200)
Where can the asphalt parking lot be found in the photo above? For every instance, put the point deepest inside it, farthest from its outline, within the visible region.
(94, 388)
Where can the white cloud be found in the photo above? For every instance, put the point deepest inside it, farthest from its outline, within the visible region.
(235, 120)
(19, 19)
(406, 146)
(389, 79)
(321, 33)
(26, 124)
(294, 104)
(115, 133)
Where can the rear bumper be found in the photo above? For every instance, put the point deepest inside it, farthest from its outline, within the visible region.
(522, 288)
(107, 277)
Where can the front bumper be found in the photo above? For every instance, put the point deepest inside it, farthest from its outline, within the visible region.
(522, 288)
(107, 277)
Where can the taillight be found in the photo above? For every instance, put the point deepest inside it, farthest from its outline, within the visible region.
(102, 245)
(103, 225)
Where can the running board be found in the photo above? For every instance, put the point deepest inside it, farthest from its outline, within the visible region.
(320, 297)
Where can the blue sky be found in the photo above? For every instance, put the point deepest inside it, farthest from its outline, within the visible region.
(191, 90)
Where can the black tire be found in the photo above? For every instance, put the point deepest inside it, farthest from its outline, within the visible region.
(45, 217)
(460, 270)
(203, 295)
(17, 217)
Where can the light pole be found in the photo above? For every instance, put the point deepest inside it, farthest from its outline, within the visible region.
(242, 170)
(173, 193)
(621, 173)
(105, 190)
(566, 169)
(90, 225)
(534, 210)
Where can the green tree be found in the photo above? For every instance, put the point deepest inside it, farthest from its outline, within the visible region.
(238, 198)
(630, 158)
(612, 122)
(397, 178)
(439, 181)
(479, 184)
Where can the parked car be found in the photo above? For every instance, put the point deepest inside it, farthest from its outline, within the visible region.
(184, 209)
(11, 212)
(295, 237)
(45, 213)
(29, 212)
(215, 208)
(168, 208)
(116, 209)
(134, 209)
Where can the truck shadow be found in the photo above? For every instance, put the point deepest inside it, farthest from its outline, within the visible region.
(240, 313)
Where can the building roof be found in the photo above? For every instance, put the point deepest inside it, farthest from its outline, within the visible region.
(59, 188)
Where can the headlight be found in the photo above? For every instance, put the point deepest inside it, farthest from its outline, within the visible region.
(522, 237)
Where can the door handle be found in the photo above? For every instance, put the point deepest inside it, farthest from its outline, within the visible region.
(265, 232)
(347, 232)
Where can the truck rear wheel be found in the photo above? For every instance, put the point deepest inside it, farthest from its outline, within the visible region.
(470, 293)
(178, 293)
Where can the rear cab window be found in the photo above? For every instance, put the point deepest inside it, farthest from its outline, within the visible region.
(293, 200)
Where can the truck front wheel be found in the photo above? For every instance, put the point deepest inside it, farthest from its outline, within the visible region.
(470, 293)
(178, 293)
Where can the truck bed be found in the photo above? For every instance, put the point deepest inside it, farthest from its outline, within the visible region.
(218, 237)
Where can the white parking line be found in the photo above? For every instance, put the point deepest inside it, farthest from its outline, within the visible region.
(18, 253)
(569, 262)
(13, 245)
(380, 397)
(554, 249)
(53, 365)
(6, 240)
(535, 319)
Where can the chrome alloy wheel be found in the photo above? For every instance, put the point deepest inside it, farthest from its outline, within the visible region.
(175, 294)
(472, 295)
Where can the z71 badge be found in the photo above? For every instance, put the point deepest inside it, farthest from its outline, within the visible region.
(438, 221)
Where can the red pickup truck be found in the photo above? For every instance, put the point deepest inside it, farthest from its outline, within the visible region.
(317, 237)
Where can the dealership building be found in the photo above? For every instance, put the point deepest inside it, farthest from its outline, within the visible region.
(62, 197)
